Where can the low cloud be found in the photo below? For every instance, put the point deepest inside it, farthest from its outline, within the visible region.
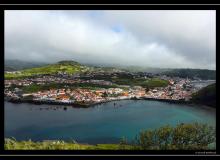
(174, 39)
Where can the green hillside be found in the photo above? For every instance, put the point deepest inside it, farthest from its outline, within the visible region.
(68, 67)
(206, 96)
(145, 69)
(150, 83)
(204, 74)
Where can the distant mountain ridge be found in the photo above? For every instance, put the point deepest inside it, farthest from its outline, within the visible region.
(70, 67)
(68, 62)
(15, 65)
(204, 74)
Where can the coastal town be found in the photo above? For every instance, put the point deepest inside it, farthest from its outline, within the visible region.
(177, 89)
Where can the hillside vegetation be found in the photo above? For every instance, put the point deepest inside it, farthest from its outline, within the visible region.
(69, 67)
(32, 68)
(204, 74)
(206, 96)
(11, 144)
(147, 83)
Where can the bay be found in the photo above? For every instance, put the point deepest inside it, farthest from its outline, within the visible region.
(103, 123)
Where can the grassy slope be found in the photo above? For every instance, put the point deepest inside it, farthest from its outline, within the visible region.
(11, 144)
(151, 83)
(69, 68)
(206, 96)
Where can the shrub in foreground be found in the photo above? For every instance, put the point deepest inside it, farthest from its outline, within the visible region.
(182, 137)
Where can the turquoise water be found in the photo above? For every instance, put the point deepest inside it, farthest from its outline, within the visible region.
(104, 123)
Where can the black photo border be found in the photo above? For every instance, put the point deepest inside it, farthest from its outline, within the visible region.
(100, 152)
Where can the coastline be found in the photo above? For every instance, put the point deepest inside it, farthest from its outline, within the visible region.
(91, 104)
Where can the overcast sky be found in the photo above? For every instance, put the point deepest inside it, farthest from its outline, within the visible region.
(165, 39)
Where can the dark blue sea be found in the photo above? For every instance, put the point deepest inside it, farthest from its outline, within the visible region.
(104, 123)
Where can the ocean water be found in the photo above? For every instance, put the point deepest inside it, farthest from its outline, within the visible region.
(104, 123)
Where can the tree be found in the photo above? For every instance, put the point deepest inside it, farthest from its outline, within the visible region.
(147, 139)
(164, 135)
(183, 136)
